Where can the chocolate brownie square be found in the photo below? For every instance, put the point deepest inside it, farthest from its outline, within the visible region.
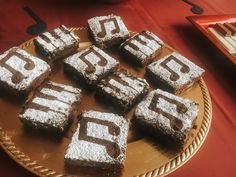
(21, 72)
(52, 107)
(56, 43)
(142, 48)
(162, 113)
(90, 65)
(122, 90)
(99, 141)
(107, 31)
(174, 73)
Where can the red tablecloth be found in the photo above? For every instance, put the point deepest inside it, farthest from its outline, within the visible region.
(167, 19)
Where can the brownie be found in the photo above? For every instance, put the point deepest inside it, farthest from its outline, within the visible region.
(51, 108)
(99, 141)
(107, 31)
(122, 90)
(165, 114)
(90, 65)
(21, 72)
(56, 43)
(142, 48)
(174, 73)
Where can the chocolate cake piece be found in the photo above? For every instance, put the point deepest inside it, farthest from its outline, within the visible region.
(90, 65)
(52, 107)
(99, 141)
(21, 72)
(56, 43)
(174, 73)
(162, 113)
(107, 31)
(122, 90)
(142, 48)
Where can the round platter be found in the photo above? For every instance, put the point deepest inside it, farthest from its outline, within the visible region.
(43, 155)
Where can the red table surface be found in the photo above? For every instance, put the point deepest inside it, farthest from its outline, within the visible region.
(167, 19)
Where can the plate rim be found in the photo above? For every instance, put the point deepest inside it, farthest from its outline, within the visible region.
(34, 167)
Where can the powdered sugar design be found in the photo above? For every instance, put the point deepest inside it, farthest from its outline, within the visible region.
(65, 40)
(76, 62)
(82, 152)
(157, 69)
(153, 118)
(60, 108)
(68, 39)
(57, 42)
(155, 37)
(95, 27)
(145, 51)
(126, 92)
(18, 64)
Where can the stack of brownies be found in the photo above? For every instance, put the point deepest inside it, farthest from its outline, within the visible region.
(101, 138)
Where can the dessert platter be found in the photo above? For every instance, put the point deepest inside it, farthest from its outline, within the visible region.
(220, 30)
(101, 101)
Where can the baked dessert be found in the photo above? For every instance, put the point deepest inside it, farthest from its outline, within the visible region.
(165, 114)
(174, 73)
(142, 48)
(90, 65)
(99, 141)
(122, 90)
(21, 72)
(51, 108)
(56, 43)
(107, 31)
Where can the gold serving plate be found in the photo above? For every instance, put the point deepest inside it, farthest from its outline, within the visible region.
(43, 154)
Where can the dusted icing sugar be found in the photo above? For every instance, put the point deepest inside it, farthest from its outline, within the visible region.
(143, 46)
(160, 108)
(67, 37)
(176, 70)
(19, 69)
(91, 149)
(92, 63)
(106, 28)
(51, 106)
(124, 86)
(52, 43)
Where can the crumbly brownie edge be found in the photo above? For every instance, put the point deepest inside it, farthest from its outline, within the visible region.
(40, 79)
(156, 131)
(134, 60)
(160, 83)
(48, 128)
(178, 139)
(106, 98)
(67, 51)
(39, 49)
(115, 42)
(51, 57)
(187, 86)
(23, 93)
(157, 81)
(102, 165)
(93, 38)
(114, 166)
